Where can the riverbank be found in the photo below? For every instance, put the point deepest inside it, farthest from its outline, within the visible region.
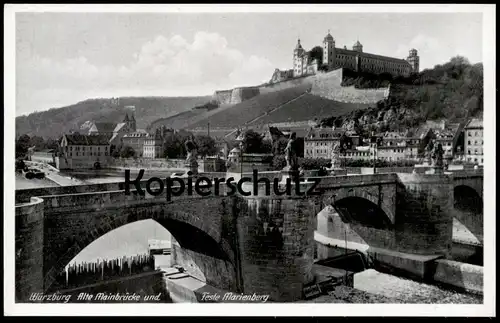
(54, 175)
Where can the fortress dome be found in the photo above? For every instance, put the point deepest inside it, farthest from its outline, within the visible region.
(329, 37)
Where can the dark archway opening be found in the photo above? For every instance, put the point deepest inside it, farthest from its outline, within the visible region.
(467, 199)
(355, 225)
(468, 225)
(92, 275)
(194, 239)
(360, 211)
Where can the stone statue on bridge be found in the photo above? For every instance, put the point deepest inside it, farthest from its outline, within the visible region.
(291, 154)
(192, 154)
(335, 156)
(437, 155)
(428, 152)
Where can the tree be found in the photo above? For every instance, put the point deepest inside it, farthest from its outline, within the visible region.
(37, 142)
(127, 152)
(173, 144)
(316, 53)
(51, 144)
(22, 145)
(253, 143)
(206, 145)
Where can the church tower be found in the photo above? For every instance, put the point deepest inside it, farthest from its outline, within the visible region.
(328, 50)
(133, 124)
(414, 60)
(130, 122)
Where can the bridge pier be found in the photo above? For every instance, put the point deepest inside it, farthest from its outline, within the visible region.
(424, 214)
(29, 249)
(276, 243)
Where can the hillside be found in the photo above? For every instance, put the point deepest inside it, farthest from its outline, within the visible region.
(185, 119)
(453, 91)
(309, 107)
(54, 122)
(245, 112)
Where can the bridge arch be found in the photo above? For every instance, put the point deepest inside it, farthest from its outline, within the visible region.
(468, 204)
(360, 194)
(358, 210)
(467, 198)
(182, 219)
(356, 219)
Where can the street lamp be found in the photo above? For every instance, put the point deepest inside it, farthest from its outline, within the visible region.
(374, 146)
(241, 158)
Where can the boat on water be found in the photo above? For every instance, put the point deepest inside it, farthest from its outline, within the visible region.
(31, 173)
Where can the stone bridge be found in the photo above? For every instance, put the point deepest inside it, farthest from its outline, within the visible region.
(260, 243)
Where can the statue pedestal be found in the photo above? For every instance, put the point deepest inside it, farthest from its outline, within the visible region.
(193, 168)
(336, 171)
(292, 174)
(435, 170)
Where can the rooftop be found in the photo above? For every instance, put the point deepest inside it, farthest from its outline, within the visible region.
(325, 133)
(475, 123)
(364, 54)
(87, 140)
(105, 126)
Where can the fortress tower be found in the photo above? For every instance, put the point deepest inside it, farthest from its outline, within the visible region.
(299, 59)
(328, 50)
(414, 60)
(357, 47)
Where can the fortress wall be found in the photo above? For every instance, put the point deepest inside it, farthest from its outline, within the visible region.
(328, 85)
(286, 84)
(222, 97)
(241, 94)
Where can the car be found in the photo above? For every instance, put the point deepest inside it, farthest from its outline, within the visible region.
(31, 173)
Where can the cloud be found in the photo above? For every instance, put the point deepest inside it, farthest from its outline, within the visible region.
(161, 66)
(430, 49)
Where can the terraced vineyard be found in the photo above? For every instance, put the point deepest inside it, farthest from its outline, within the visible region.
(185, 119)
(309, 107)
(245, 112)
(177, 121)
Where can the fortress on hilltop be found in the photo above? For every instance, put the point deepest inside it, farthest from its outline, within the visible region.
(333, 58)
(309, 67)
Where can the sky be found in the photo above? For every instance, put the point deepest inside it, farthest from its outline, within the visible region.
(63, 58)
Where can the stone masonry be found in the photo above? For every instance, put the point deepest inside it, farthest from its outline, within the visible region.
(257, 243)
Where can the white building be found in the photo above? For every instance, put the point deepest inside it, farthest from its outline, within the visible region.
(473, 141)
(79, 151)
(319, 142)
(153, 147)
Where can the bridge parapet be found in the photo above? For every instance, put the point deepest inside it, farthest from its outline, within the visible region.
(329, 182)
